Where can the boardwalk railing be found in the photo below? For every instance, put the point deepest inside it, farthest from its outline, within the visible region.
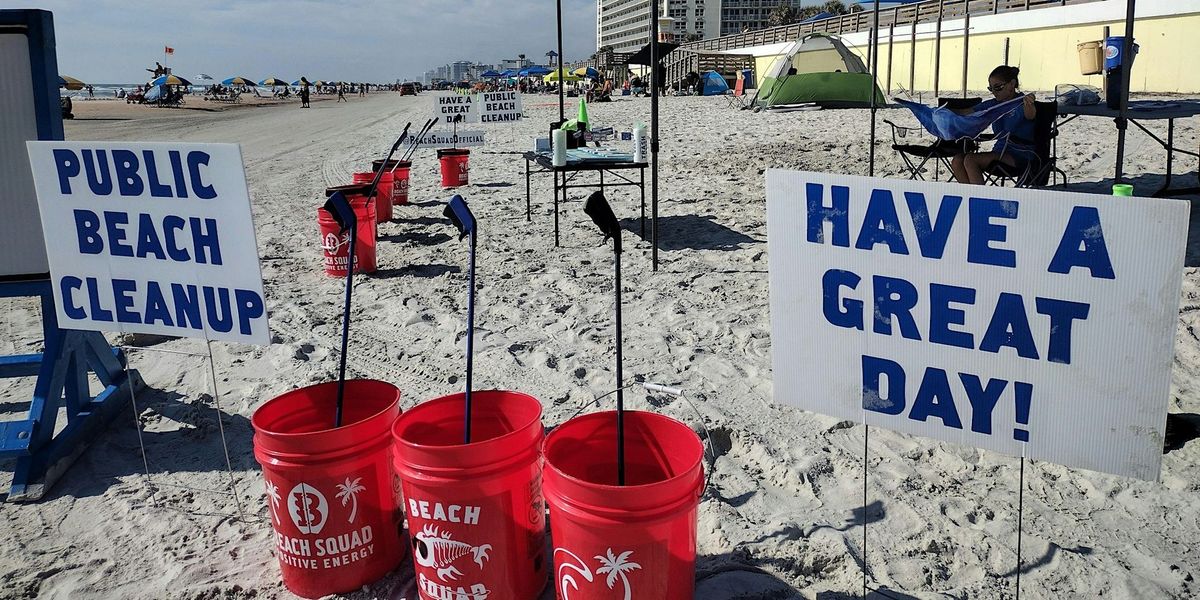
(923, 12)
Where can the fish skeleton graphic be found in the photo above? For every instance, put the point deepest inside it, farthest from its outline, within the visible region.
(435, 549)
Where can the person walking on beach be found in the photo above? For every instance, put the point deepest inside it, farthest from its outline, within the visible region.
(341, 89)
(362, 90)
(304, 97)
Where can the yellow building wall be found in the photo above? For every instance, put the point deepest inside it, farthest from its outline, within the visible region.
(1170, 48)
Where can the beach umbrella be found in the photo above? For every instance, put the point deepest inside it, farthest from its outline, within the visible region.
(569, 77)
(238, 81)
(508, 73)
(589, 72)
(489, 74)
(70, 83)
(272, 82)
(537, 71)
(170, 80)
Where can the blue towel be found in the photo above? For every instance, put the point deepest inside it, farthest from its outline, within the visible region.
(946, 124)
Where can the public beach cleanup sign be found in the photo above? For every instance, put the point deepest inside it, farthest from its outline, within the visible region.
(150, 238)
(499, 107)
(1028, 322)
(484, 107)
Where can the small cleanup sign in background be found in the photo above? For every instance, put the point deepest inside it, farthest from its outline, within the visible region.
(150, 238)
(1027, 322)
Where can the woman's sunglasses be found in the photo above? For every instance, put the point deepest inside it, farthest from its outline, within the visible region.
(998, 86)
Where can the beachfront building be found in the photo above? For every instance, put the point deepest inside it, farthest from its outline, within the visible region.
(737, 16)
(516, 64)
(624, 25)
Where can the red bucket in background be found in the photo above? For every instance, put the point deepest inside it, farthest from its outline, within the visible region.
(475, 511)
(399, 179)
(455, 166)
(383, 194)
(336, 245)
(645, 531)
(330, 491)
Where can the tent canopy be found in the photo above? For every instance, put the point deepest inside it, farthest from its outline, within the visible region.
(818, 68)
(642, 57)
(713, 84)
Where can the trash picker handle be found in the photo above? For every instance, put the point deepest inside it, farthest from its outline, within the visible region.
(339, 207)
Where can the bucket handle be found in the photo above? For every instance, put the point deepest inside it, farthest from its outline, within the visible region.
(678, 393)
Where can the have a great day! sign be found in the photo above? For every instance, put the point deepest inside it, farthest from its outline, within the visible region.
(1029, 322)
(150, 238)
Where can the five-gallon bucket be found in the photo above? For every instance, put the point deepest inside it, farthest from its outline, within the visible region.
(330, 490)
(383, 194)
(631, 541)
(475, 511)
(455, 165)
(400, 176)
(336, 244)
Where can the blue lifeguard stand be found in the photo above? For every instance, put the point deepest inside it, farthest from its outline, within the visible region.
(29, 110)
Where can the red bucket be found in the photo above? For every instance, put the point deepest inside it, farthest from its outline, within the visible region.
(399, 179)
(455, 165)
(643, 532)
(475, 511)
(336, 245)
(330, 491)
(383, 194)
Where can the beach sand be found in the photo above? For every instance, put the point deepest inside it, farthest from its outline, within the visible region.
(783, 515)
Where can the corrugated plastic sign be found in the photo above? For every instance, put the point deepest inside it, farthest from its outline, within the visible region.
(1030, 322)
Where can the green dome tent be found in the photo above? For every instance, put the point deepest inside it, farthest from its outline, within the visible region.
(818, 69)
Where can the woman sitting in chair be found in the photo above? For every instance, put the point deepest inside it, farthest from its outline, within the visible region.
(1014, 131)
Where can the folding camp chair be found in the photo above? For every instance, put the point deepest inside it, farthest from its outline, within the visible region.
(1037, 172)
(737, 96)
(917, 155)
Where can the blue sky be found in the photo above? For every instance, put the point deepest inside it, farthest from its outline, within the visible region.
(112, 41)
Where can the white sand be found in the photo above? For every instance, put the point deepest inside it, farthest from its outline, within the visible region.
(782, 519)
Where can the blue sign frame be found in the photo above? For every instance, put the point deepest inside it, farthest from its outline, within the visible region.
(62, 368)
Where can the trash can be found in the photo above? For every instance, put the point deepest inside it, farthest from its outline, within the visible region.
(1091, 58)
(1114, 84)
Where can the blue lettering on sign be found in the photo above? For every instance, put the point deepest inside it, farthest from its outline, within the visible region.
(148, 239)
(981, 211)
(152, 302)
(1083, 245)
(932, 235)
(132, 176)
(838, 214)
(881, 225)
(848, 313)
(885, 389)
(897, 303)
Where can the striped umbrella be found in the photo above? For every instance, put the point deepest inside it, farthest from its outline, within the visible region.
(238, 81)
(170, 80)
(70, 83)
(589, 72)
(272, 82)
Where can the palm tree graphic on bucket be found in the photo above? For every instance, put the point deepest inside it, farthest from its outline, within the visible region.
(348, 492)
(614, 565)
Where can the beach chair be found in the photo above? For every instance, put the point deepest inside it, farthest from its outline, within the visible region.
(737, 96)
(916, 154)
(1039, 171)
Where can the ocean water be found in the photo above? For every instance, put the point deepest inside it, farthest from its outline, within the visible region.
(109, 90)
